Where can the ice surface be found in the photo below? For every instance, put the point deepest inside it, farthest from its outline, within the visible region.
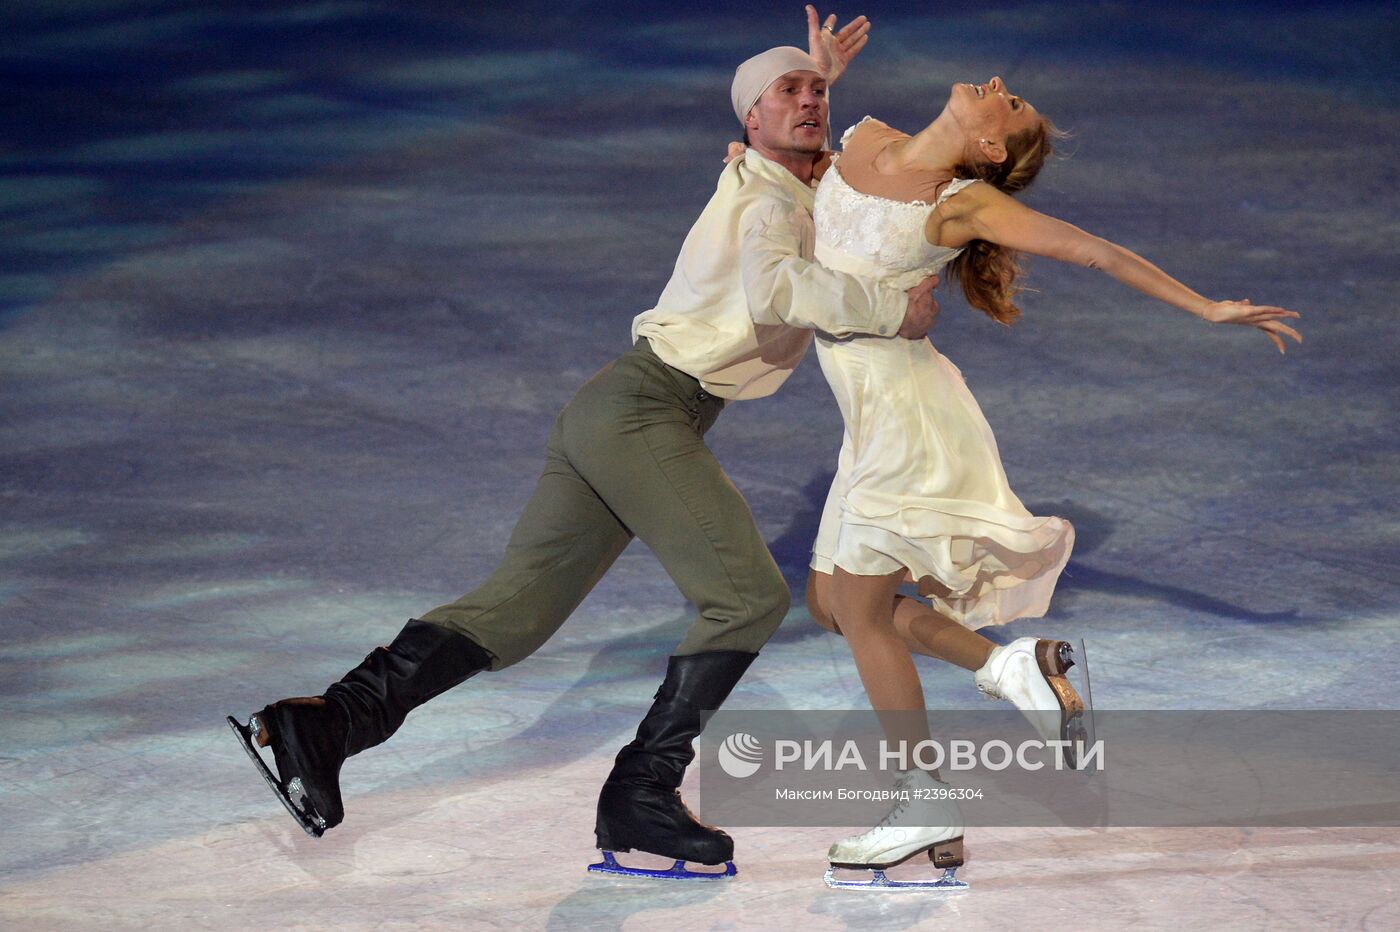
(288, 303)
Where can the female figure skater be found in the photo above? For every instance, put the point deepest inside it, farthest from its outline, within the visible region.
(920, 494)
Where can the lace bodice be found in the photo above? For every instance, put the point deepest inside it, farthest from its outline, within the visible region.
(877, 237)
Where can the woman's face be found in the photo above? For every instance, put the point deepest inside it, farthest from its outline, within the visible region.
(990, 111)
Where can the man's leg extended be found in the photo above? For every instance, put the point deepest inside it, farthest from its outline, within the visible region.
(564, 541)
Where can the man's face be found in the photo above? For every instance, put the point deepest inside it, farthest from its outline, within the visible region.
(790, 117)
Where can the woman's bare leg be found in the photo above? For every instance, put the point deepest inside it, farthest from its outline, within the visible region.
(928, 631)
(920, 626)
(862, 607)
(819, 600)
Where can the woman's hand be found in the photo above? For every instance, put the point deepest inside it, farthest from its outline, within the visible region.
(1260, 317)
(834, 50)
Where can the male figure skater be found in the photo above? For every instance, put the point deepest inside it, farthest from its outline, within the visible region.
(626, 458)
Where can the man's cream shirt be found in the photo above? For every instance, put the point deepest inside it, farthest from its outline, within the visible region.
(745, 296)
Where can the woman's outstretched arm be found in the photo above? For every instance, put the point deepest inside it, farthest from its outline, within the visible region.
(980, 211)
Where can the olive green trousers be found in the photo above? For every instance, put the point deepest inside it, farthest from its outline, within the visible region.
(627, 458)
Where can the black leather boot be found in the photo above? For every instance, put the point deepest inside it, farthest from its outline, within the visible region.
(311, 737)
(640, 806)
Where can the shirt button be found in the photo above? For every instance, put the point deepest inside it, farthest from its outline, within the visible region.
(883, 328)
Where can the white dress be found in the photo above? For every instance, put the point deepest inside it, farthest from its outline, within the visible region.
(919, 484)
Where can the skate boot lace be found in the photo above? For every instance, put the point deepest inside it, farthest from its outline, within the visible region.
(901, 803)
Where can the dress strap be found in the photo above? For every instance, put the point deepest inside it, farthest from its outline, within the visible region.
(954, 186)
(847, 134)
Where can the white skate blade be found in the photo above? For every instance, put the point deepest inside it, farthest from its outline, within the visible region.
(677, 871)
(880, 882)
(309, 820)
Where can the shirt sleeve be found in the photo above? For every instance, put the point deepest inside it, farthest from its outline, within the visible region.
(782, 287)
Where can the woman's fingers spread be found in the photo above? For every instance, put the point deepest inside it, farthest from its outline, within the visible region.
(1287, 331)
(1276, 329)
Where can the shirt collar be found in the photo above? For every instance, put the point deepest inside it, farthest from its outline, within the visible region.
(805, 194)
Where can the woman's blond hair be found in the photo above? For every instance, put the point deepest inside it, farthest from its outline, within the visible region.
(988, 272)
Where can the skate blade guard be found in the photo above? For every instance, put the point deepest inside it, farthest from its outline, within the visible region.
(291, 796)
(678, 871)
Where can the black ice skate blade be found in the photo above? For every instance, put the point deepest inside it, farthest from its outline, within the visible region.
(310, 822)
(677, 871)
(879, 882)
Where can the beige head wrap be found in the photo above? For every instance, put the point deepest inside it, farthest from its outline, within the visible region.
(752, 78)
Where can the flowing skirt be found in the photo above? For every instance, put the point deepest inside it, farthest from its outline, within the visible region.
(920, 487)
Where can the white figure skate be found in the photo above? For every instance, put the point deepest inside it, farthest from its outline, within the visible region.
(1030, 674)
(922, 819)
